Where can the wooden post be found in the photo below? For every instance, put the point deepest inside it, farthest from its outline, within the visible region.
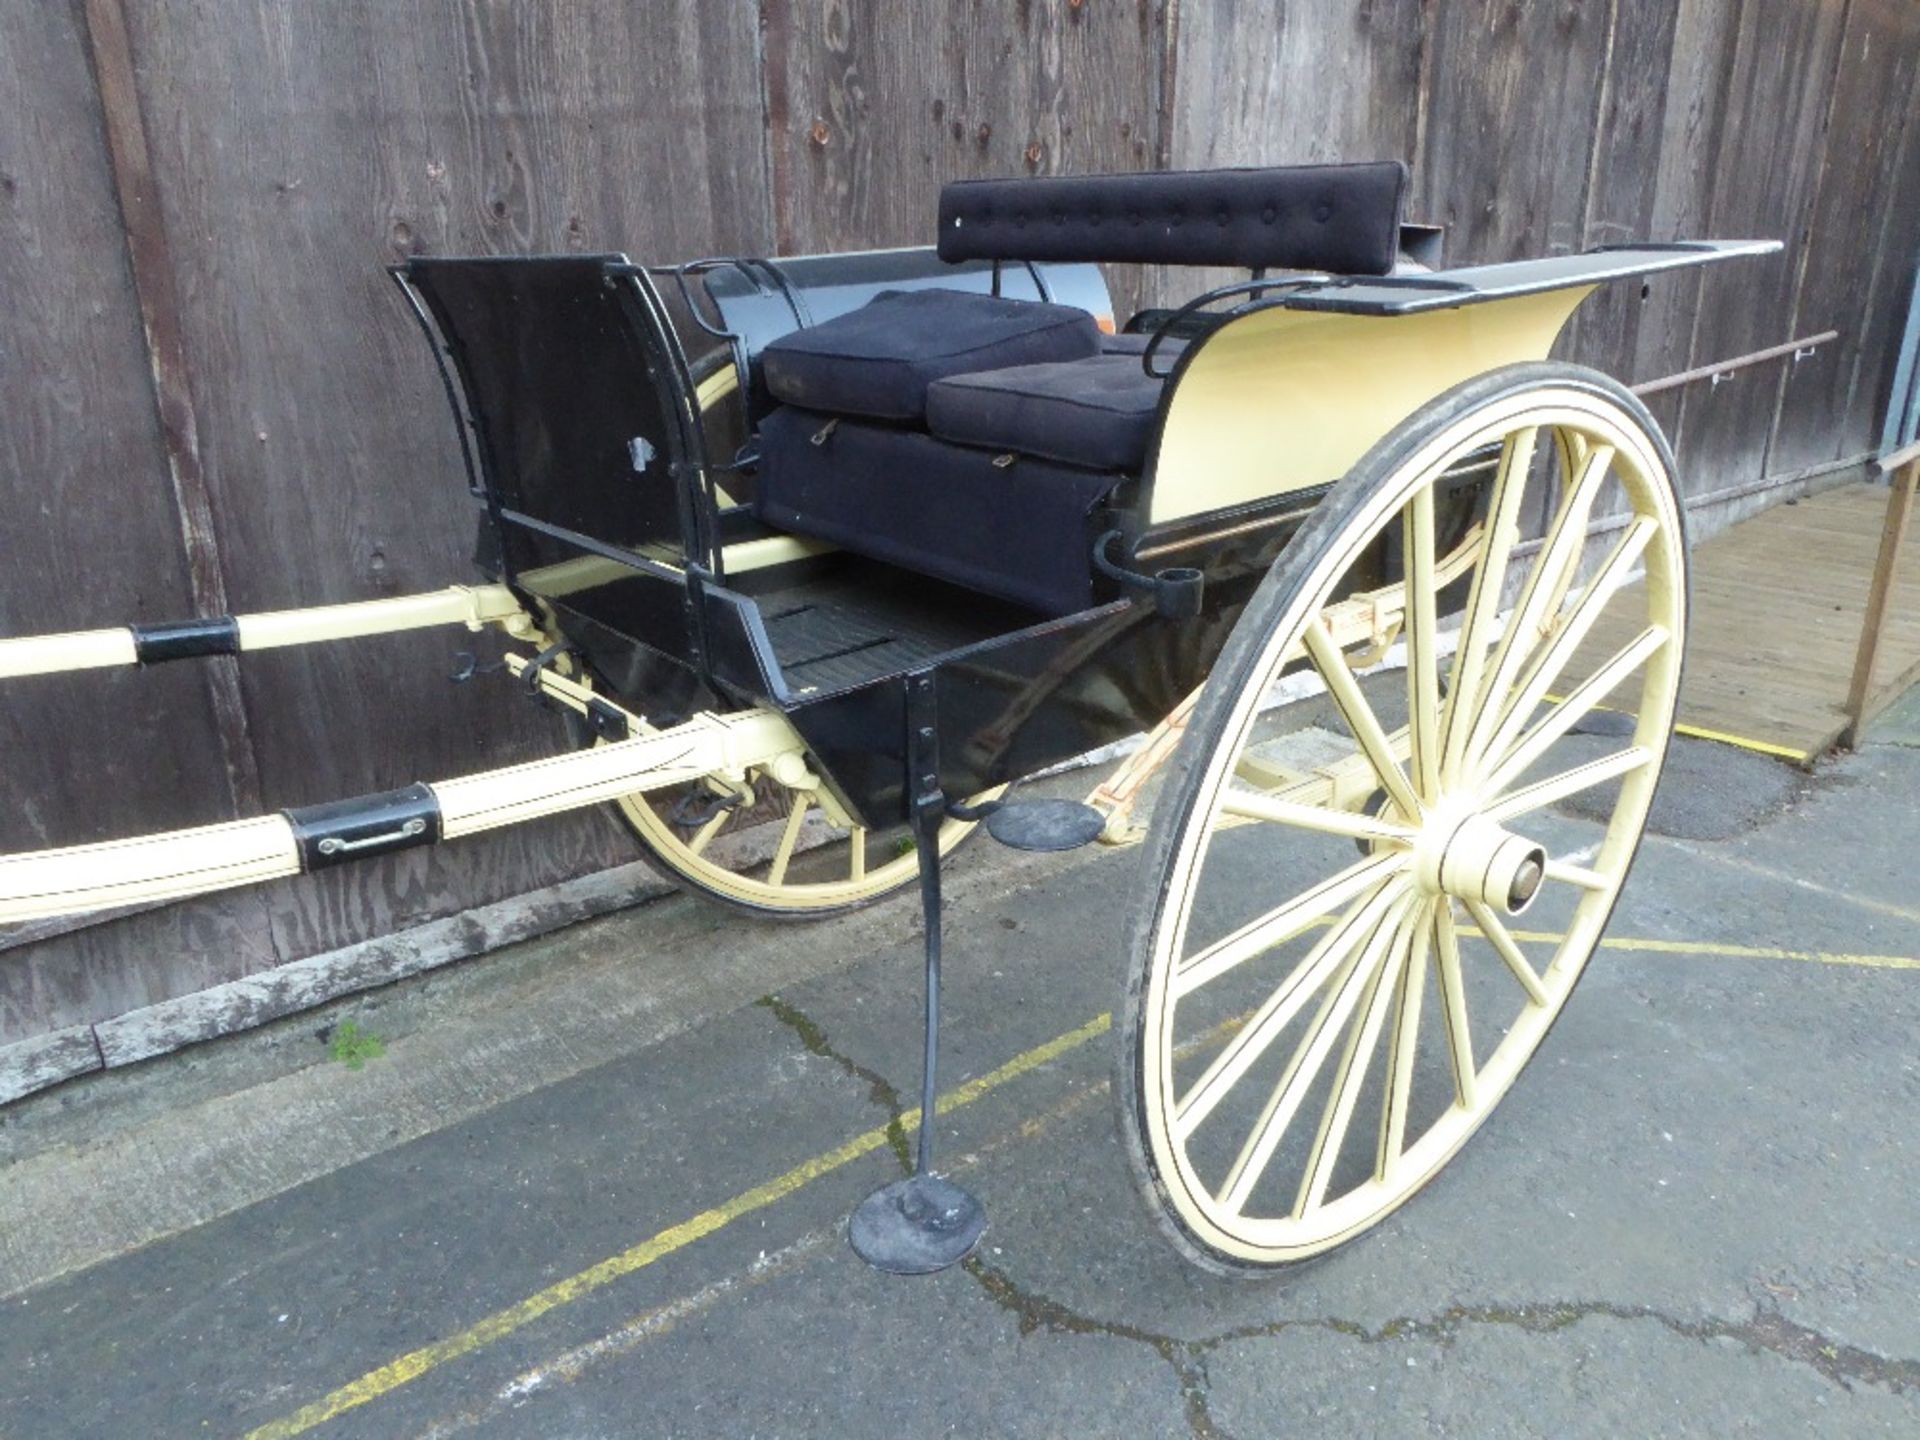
(1862, 703)
(151, 263)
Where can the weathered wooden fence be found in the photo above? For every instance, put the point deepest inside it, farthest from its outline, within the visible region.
(210, 398)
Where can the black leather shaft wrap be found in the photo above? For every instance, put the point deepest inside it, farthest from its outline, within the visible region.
(365, 826)
(185, 639)
(1340, 218)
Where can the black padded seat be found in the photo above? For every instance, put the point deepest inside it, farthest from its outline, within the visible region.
(877, 361)
(1097, 413)
(1022, 530)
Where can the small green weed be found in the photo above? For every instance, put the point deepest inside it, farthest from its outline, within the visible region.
(353, 1047)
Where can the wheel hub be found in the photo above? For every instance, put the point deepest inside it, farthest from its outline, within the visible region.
(1480, 861)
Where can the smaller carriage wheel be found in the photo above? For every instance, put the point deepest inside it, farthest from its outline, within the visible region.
(770, 846)
(1308, 1038)
(778, 852)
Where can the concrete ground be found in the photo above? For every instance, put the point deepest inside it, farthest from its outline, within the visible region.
(596, 1185)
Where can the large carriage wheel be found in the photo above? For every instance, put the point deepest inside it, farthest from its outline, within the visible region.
(1309, 1035)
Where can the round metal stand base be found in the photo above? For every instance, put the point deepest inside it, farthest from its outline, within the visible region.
(1046, 824)
(916, 1226)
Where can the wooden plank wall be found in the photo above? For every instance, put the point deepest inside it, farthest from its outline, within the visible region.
(206, 191)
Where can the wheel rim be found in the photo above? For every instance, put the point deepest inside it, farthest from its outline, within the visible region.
(1295, 1059)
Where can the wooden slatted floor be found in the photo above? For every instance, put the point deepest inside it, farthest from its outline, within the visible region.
(1777, 602)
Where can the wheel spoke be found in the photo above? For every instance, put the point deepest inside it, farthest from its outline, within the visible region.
(1592, 476)
(1304, 1066)
(1569, 712)
(1423, 664)
(1508, 710)
(1363, 1036)
(1531, 621)
(1505, 946)
(796, 817)
(700, 838)
(1483, 599)
(857, 853)
(1345, 823)
(1453, 1008)
(1404, 1045)
(1568, 782)
(1578, 875)
(1361, 721)
(1283, 923)
(1327, 959)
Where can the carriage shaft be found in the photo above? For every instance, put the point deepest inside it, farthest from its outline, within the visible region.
(472, 606)
(170, 866)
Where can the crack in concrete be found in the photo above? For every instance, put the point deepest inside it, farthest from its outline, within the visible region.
(1768, 1332)
(880, 1090)
(1033, 1312)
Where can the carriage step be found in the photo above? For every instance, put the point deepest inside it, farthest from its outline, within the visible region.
(1045, 824)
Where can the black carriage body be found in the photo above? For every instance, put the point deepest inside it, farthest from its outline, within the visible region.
(572, 384)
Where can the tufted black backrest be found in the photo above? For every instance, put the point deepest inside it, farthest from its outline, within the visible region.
(1340, 218)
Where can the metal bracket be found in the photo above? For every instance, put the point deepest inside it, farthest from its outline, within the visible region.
(185, 639)
(343, 830)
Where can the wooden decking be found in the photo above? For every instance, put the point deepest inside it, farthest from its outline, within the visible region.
(1777, 605)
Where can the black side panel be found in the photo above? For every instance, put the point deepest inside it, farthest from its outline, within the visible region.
(565, 379)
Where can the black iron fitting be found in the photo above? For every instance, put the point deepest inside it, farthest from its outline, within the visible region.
(364, 826)
(185, 639)
(1176, 592)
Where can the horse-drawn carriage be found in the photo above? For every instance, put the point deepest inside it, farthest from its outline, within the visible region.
(818, 556)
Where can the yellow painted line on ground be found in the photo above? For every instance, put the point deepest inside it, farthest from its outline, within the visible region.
(1720, 950)
(1762, 747)
(1751, 952)
(415, 1363)
(1700, 732)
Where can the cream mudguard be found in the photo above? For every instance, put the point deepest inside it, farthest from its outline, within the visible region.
(1333, 367)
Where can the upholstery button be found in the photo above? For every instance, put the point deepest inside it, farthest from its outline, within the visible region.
(1268, 214)
(1322, 212)
(1221, 218)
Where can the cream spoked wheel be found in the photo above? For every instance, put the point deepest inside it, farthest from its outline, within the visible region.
(772, 841)
(1309, 1035)
(776, 844)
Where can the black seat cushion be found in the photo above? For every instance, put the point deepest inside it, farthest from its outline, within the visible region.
(1097, 412)
(878, 360)
(1023, 531)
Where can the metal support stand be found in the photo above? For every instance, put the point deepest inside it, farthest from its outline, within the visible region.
(925, 1222)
